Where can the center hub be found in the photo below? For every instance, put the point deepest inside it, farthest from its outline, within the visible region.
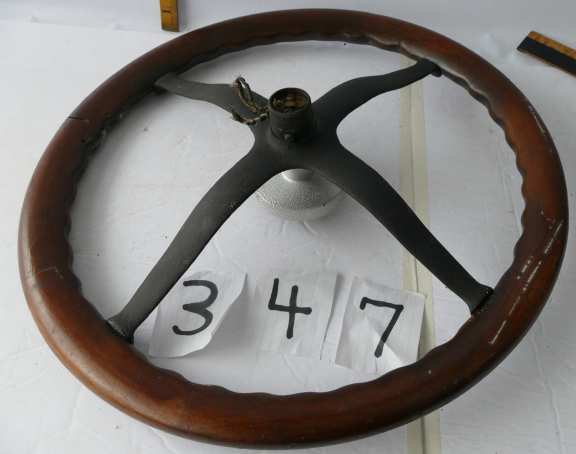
(291, 115)
(297, 194)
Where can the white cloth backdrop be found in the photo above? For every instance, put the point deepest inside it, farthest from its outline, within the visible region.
(168, 151)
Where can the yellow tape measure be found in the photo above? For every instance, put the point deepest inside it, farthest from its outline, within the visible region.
(550, 51)
(169, 15)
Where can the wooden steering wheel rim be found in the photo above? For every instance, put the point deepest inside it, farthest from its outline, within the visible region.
(117, 372)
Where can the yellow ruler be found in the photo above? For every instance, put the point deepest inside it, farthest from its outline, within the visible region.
(169, 15)
(550, 51)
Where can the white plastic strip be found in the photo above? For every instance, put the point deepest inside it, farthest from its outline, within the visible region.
(423, 434)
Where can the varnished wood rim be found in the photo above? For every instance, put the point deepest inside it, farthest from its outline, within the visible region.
(118, 373)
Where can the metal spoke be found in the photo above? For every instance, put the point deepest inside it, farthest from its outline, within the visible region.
(227, 194)
(372, 191)
(335, 105)
(237, 98)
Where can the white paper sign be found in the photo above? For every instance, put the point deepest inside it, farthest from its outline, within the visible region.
(192, 311)
(292, 312)
(380, 329)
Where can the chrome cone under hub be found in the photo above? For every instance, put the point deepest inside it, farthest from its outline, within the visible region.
(296, 194)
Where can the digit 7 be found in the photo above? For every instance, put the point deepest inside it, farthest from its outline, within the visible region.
(398, 308)
(200, 308)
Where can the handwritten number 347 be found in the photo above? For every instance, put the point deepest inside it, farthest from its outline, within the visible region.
(201, 308)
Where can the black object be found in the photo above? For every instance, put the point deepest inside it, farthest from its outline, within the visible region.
(291, 132)
(550, 51)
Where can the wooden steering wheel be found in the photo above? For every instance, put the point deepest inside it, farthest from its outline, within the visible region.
(290, 133)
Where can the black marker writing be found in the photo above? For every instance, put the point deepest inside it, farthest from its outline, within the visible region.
(398, 308)
(292, 308)
(200, 308)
